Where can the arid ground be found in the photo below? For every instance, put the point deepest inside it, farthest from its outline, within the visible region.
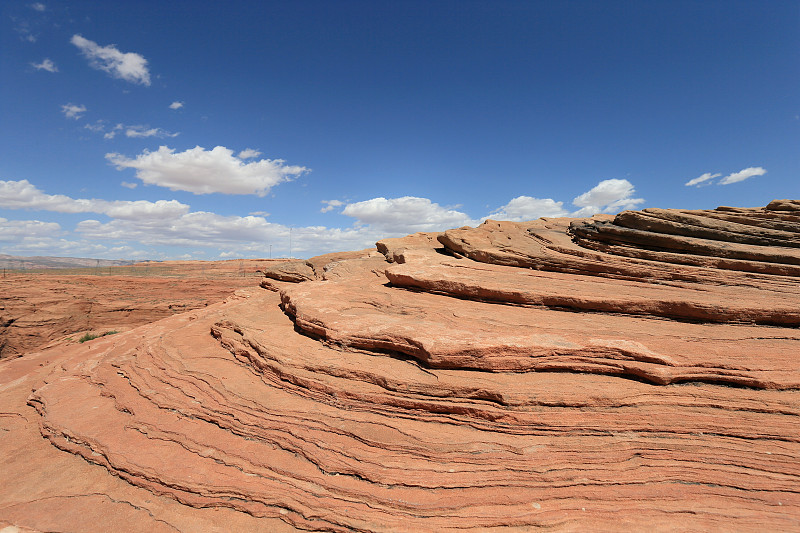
(49, 307)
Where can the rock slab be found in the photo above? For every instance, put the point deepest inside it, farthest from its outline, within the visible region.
(605, 374)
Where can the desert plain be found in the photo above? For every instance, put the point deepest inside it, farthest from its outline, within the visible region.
(613, 373)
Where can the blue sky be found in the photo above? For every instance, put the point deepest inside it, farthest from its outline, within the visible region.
(208, 130)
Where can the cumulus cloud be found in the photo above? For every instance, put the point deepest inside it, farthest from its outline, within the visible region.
(232, 235)
(143, 131)
(202, 171)
(528, 208)
(129, 185)
(742, 175)
(46, 64)
(17, 230)
(330, 205)
(608, 196)
(408, 214)
(198, 228)
(176, 105)
(24, 195)
(73, 111)
(126, 66)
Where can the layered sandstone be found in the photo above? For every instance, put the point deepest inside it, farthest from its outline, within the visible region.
(603, 374)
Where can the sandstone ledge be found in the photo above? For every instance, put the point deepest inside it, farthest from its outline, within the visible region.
(597, 374)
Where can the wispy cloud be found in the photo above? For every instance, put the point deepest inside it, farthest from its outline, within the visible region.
(704, 179)
(38, 6)
(127, 66)
(176, 105)
(742, 175)
(23, 28)
(202, 171)
(330, 205)
(46, 64)
(143, 131)
(131, 131)
(735, 177)
(96, 127)
(73, 111)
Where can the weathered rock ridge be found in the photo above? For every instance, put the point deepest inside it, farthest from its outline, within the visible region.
(604, 374)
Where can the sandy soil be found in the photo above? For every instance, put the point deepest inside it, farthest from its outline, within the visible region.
(40, 309)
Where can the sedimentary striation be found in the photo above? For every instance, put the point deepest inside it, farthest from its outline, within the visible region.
(605, 374)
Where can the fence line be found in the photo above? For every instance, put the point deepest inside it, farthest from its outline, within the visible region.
(200, 271)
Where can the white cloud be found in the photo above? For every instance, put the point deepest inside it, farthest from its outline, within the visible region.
(197, 228)
(38, 6)
(330, 205)
(46, 64)
(742, 175)
(204, 171)
(608, 196)
(17, 230)
(23, 28)
(528, 208)
(131, 131)
(37, 238)
(113, 132)
(232, 235)
(702, 179)
(176, 105)
(143, 209)
(129, 185)
(97, 127)
(128, 66)
(259, 214)
(136, 226)
(249, 153)
(143, 131)
(24, 195)
(73, 110)
(406, 215)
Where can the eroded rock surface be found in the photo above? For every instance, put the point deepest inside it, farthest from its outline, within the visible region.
(605, 374)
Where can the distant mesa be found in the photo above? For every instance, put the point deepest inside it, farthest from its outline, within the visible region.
(609, 373)
(46, 262)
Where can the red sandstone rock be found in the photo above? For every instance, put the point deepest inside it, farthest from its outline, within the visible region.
(510, 376)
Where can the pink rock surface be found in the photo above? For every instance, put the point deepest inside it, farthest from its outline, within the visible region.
(505, 377)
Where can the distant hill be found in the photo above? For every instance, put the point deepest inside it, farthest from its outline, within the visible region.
(19, 262)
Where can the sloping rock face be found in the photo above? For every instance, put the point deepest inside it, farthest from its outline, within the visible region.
(605, 374)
